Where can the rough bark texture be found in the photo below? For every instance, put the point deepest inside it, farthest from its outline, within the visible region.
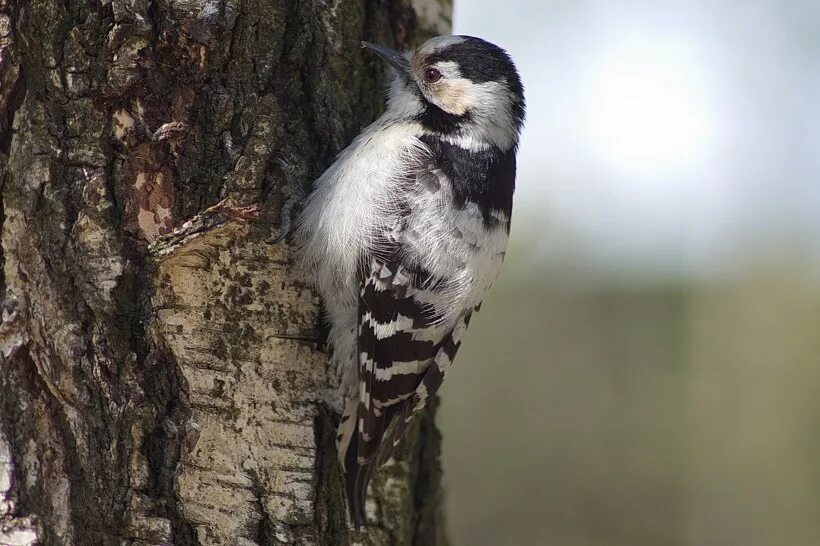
(162, 378)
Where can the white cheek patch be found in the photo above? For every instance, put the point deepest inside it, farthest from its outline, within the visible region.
(453, 96)
(452, 92)
(492, 118)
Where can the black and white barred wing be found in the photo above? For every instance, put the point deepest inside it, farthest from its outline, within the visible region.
(404, 353)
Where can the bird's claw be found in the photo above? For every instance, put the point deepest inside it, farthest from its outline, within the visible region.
(295, 198)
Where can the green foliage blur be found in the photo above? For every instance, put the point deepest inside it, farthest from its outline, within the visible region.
(587, 409)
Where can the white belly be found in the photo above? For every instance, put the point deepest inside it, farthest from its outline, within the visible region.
(354, 200)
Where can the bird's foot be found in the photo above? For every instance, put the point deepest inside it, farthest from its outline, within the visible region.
(294, 177)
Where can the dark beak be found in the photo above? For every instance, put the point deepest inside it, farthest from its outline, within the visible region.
(393, 58)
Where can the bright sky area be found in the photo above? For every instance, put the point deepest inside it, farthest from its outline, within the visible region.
(679, 138)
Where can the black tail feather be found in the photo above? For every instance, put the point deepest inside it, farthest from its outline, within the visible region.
(357, 478)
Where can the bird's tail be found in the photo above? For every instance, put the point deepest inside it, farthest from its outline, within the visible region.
(356, 478)
(358, 473)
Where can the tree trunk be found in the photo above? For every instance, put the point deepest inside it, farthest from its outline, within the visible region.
(162, 377)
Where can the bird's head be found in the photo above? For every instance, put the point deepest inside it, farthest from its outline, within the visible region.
(460, 87)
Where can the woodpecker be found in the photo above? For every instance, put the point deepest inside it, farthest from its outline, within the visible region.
(405, 233)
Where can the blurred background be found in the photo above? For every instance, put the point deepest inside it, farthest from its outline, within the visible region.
(646, 371)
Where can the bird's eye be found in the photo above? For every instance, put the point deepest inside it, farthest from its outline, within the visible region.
(432, 75)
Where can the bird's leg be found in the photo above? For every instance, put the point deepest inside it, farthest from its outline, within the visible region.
(298, 194)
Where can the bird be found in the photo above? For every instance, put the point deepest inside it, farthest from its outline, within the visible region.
(405, 232)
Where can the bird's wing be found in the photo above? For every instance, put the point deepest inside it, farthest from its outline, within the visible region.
(404, 353)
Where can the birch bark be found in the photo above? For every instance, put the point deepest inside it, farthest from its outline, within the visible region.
(162, 376)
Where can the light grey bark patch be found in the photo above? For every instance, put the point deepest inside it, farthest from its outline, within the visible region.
(14, 531)
(254, 378)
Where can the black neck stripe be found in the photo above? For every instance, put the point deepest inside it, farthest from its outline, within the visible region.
(436, 120)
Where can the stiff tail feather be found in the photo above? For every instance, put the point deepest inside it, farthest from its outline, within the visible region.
(358, 474)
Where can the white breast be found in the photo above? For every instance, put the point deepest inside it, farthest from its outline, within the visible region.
(456, 245)
(355, 199)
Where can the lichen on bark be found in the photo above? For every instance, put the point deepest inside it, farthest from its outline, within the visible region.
(162, 376)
